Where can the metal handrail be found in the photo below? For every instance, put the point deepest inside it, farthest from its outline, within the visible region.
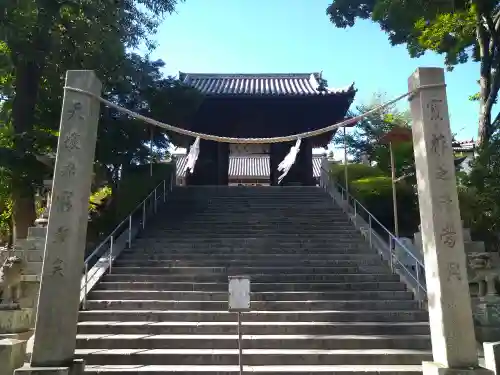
(346, 197)
(153, 197)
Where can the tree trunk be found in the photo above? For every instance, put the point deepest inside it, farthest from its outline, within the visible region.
(484, 131)
(23, 116)
(24, 213)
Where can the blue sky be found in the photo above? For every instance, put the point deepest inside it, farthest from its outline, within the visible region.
(281, 36)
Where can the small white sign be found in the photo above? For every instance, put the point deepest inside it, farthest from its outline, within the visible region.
(239, 293)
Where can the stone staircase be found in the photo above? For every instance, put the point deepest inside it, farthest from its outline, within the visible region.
(322, 300)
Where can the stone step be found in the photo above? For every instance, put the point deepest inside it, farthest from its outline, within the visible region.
(200, 247)
(317, 305)
(132, 327)
(255, 287)
(242, 241)
(249, 237)
(241, 250)
(29, 255)
(33, 268)
(193, 341)
(322, 300)
(257, 316)
(225, 231)
(257, 215)
(270, 215)
(263, 221)
(224, 257)
(239, 207)
(299, 297)
(262, 370)
(239, 270)
(240, 204)
(257, 196)
(193, 189)
(252, 198)
(262, 278)
(252, 238)
(254, 356)
(149, 262)
(292, 200)
(266, 192)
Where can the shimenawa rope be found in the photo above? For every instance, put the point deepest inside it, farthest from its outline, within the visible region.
(288, 138)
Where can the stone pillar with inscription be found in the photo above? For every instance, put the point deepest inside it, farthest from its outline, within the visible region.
(58, 303)
(450, 314)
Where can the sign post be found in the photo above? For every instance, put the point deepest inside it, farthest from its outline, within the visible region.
(239, 301)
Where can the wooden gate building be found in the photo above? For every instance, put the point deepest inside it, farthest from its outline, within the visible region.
(262, 105)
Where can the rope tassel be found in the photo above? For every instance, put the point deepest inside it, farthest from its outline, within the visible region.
(289, 160)
(194, 151)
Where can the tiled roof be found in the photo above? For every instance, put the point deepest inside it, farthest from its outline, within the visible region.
(291, 84)
(464, 146)
(247, 166)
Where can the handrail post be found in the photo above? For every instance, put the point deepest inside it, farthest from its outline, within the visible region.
(85, 286)
(144, 214)
(417, 270)
(130, 231)
(111, 240)
(155, 207)
(370, 228)
(390, 253)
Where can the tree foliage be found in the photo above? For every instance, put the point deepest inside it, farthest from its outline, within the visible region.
(461, 30)
(364, 140)
(39, 41)
(373, 188)
(479, 195)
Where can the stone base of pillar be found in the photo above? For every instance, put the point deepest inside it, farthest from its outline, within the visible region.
(31, 250)
(77, 368)
(486, 318)
(433, 368)
(15, 320)
(11, 355)
(15, 331)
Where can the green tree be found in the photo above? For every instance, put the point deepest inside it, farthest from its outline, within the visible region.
(480, 206)
(364, 139)
(39, 41)
(461, 30)
(139, 86)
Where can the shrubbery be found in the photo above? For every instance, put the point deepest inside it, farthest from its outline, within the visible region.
(354, 172)
(135, 185)
(375, 193)
(373, 190)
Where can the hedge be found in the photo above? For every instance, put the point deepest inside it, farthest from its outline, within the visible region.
(373, 189)
(134, 187)
(375, 193)
(354, 172)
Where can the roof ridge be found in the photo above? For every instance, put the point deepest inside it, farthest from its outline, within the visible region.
(246, 75)
(261, 84)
